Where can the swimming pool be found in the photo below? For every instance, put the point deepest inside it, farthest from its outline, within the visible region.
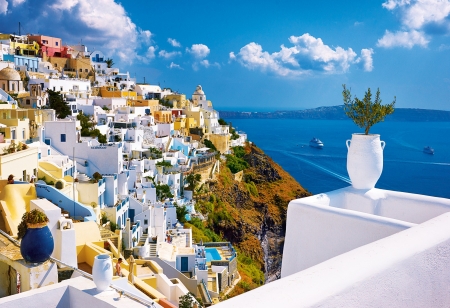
(212, 254)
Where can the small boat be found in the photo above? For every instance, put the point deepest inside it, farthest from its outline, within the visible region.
(428, 150)
(316, 143)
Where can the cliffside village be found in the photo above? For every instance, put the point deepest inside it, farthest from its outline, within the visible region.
(117, 195)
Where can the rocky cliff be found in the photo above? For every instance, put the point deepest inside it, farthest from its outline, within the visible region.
(251, 214)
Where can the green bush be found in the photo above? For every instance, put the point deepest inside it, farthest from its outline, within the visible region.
(239, 151)
(252, 189)
(236, 164)
(209, 144)
(112, 226)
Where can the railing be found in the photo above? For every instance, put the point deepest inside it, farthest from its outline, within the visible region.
(31, 140)
(87, 275)
(133, 230)
(206, 291)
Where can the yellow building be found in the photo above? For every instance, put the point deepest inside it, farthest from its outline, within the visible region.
(163, 116)
(80, 67)
(21, 45)
(183, 124)
(152, 104)
(177, 100)
(109, 92)
(221, 142)
(20, 124)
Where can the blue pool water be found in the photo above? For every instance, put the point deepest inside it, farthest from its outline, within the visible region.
(212, 254)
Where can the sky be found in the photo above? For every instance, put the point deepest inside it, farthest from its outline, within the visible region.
(261, 55)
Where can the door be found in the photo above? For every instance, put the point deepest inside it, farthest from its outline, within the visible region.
(184, 264)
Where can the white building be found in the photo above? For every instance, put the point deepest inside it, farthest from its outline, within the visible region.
(80, 88)
(151, 91)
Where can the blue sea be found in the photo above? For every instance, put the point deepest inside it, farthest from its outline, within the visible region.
(406, 167)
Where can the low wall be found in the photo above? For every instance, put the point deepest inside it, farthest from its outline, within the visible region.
(316, 233)
(75, 208)
(408, 269)
(408, 207)
(170, 272)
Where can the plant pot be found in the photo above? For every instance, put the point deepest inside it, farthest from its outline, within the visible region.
(365, 160)
(37, 244)
(102, 272)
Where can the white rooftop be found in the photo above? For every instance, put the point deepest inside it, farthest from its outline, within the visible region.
(77, 292)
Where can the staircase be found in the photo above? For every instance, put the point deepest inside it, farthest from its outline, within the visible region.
(82, 177)
(204, 294)
(143, 239)
(169, 143)
(153, 249)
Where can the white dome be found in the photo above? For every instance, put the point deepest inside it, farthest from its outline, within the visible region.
(199, 90)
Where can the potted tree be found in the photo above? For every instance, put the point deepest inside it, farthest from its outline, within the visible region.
(365, 151)
(36, 244)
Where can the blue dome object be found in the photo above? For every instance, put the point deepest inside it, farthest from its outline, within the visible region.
(37, 245)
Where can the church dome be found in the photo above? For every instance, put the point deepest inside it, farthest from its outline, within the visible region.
(9, 74)
(199, 90)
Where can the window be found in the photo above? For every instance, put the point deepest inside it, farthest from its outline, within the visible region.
(24, 176)
(63, 137)
(61, 88)
(28, 101)
(44, 42)
(23, 134)
(57, 43)
(85, 70)
(145, 222)
(54, 88)
(81, 70)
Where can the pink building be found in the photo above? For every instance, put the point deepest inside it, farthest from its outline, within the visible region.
(51, 46)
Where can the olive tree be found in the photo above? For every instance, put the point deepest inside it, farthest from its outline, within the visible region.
(366, 113)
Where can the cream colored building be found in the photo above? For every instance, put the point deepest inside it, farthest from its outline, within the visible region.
(22, 164)
(10, 81)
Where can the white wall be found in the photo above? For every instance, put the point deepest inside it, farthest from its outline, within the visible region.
(316, 232)
(408, 269)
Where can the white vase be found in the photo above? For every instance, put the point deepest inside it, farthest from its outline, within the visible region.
(102, 272)
(365, 160)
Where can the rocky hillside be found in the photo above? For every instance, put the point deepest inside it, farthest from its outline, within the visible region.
(251, 213)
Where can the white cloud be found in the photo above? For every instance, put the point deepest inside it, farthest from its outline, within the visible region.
(392, 4)
(403, 39)
(17, 2)
(173, 65)
(419, 21)
(306, 55)
(151, 52)
(145, 36)
(199, 51)
(3, 7)
(358, 23)
(444, 47)
(174, 42)
(366, 59)
(167, 55)
(207, 64)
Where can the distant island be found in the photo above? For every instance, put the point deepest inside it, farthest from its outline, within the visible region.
(337, 113)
